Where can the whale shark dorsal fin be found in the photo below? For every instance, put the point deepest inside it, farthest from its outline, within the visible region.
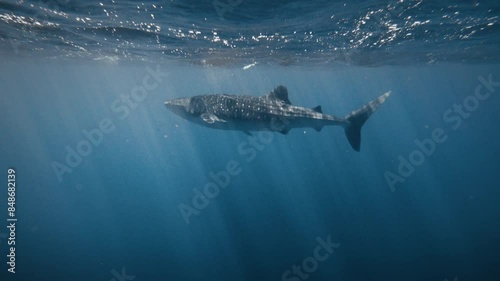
(317, 109)
(280, 93)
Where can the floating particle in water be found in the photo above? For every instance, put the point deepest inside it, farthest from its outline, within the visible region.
(249, 66)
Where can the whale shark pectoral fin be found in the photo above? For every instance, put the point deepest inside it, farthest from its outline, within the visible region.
(211, 118)
(207, 118)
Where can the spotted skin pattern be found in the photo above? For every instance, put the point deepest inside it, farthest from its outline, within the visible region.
(233, 107)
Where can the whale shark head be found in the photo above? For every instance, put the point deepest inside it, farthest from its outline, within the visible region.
(186, 107)
(180, 107)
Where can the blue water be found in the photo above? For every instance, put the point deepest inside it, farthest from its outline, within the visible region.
(103, 180)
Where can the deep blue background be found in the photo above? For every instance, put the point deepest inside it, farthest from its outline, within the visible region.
(64, 63)
(119, 208)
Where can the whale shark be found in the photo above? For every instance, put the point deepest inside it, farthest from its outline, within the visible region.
(271, 112)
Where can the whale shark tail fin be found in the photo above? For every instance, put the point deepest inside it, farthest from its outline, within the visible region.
(358, 117)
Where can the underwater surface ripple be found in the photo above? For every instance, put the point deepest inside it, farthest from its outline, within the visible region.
(240, 32)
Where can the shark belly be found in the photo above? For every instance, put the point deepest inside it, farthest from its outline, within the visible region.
(259, 121)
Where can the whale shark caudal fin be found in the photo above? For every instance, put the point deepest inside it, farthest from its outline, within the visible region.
(358, 117)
